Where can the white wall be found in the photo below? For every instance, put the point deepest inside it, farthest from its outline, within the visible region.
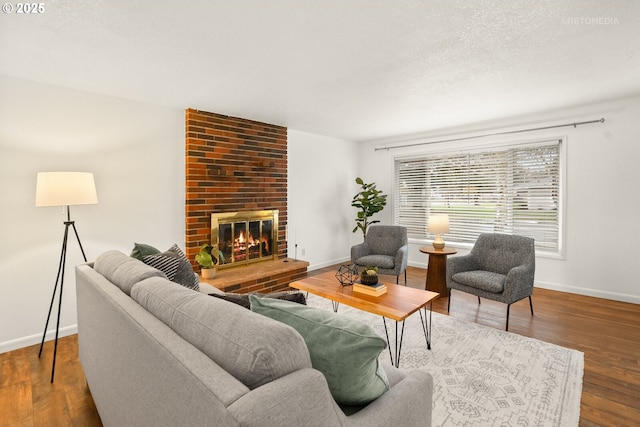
(601, 199)
(136, 152)
(322, 173)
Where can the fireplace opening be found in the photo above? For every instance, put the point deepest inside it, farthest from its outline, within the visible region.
(245, 237)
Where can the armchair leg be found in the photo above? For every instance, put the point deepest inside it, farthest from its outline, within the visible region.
(478, 300)
(449, 300)
(530, 305)
(507, 327)
(405, 278)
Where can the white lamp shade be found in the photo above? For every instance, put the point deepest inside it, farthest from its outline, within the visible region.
(438, 224)
(65, 189)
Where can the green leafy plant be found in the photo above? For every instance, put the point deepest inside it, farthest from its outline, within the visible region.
(369, 200)
(369, 276)
(206, 259)
(370, 271)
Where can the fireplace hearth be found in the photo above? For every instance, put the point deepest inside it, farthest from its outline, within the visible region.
(245, 237)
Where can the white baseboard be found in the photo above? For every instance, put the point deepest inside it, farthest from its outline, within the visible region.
(329, 263)
(422, 265)
(588, 292)
(571, 289)
(36, 339)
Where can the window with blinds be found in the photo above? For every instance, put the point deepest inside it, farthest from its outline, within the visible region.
(512, 190)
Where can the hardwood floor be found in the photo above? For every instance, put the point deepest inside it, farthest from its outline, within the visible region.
(27, 397)
(608, 332)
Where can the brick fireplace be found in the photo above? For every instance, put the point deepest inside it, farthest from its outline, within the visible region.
(233, 165)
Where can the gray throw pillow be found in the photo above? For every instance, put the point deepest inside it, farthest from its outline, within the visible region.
(345, 350)
(174, 263)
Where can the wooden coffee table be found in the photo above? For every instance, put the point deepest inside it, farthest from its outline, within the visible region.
(398, 303)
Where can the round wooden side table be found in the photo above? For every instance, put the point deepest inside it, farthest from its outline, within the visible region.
(437, 269)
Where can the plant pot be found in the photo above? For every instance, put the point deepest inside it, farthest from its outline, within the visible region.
(208, 273)
(369, 280)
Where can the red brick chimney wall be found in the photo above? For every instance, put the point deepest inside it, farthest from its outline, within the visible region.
(232, 165)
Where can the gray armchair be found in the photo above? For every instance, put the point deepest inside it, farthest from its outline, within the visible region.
(385, 247)
(500, 267)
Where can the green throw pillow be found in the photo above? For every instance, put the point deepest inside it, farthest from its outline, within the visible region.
(141, 249)
(345, 350)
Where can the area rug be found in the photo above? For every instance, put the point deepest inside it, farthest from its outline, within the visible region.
(484, 376)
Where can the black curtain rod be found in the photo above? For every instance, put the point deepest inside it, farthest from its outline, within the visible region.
(575, 124)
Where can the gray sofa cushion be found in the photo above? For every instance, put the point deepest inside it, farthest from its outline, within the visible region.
(485, 280)
(252, 348)
(501, 252)
(124, 271)
(385, 239)
(382, 261)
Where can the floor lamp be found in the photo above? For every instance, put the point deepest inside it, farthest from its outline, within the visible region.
(63, 189)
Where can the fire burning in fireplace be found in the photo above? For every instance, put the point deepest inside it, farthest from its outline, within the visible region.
(243, 245)
(243, 237)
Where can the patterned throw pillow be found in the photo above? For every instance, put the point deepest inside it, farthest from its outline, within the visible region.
(174, 263)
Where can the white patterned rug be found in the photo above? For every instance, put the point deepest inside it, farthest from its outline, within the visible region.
(484, 376)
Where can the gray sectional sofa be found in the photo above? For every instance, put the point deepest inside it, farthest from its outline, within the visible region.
(158, 354)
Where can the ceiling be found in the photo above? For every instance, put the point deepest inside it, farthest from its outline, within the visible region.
(355, 70)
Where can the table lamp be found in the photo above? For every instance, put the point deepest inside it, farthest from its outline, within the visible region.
(63, 189)
(438, 225)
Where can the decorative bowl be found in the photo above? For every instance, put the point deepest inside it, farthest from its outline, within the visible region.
(369, 279)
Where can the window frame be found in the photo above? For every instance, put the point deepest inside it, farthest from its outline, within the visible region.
(439, 149)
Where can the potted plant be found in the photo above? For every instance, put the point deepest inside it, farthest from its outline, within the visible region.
(369, 276)
(207, 261)
(369, 201)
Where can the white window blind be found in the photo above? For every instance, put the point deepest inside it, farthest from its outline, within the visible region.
(513, 191)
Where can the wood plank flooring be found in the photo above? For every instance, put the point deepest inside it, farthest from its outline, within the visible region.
(608, 332)
(27, 397)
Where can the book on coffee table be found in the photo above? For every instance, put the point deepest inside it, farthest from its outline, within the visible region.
(375, 290)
